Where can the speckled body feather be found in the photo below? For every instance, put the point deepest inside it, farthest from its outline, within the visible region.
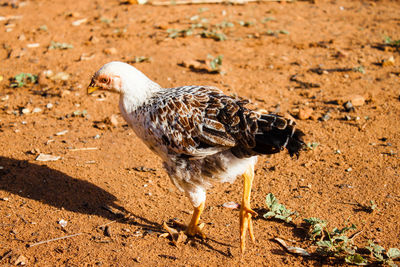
(204, 136)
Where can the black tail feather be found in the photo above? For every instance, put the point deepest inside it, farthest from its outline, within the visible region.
(277, 133)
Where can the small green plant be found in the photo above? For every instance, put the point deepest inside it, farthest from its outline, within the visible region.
(44, 28)
(215, 63)
(174, 33)
(246, 23)
(225, 24)
(371, 207)
(265, 20)
(22, 79)
(380, 255)
(276, 210)
(312, 145)
(61, 46)
(334, 244)
(140, 59)
(389, 41)
(337, 244)
(316, 228)
(276, 33)
(217, 36)
(359, 69)
(105, 20)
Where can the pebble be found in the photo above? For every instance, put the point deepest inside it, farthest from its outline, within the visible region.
(62, 76)
(43, 77)
(49, 106)
(34, 45)
(110, 51)
(20, 260)
(230, 205)
(94, 39)
(388, 62)
(305, 113)
(25, 111)
(62, 133)
(62, 223)
(79, 22)
(114, 120)
(325, 117)
(36, 110)
(45, 157)
(64, 93)
(191, 64)
(357, 100)
(348, 106)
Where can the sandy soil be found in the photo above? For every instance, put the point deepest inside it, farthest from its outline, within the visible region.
(355, 159)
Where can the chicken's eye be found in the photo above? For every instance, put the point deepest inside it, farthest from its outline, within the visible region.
(103, 80)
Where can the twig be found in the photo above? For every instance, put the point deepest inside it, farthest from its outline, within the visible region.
(51, 240)
(83, 149)
(191, 2)
(355, 234)
(320, 70)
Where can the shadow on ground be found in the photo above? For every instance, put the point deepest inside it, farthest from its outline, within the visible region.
(57, 189)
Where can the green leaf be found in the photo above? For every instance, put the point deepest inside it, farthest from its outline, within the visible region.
(359, 69)
(324, 243)
(61, 46)
(314, 221)
(270, 200)
(393, 253)
(268, 19)
(217, 36)
(21, 79)
(278, 211)
(356, 259)
(269, 214)
(312, 145)
(374, 247)
(343, 230)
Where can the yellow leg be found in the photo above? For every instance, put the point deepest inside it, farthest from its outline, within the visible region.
(194, 227)
(245, 211)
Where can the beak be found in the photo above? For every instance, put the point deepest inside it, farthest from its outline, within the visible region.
(92, 87)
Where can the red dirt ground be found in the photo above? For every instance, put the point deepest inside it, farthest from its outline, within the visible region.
(258, 63)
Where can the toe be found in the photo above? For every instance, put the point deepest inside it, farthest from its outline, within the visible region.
(196, 230)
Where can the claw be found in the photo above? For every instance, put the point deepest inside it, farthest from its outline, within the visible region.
(193, 230)
(246, 223)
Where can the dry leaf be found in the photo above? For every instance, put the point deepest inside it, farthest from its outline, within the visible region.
(230, 205)
(294, 250)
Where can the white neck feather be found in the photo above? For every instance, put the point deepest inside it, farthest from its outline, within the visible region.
(137, 88)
